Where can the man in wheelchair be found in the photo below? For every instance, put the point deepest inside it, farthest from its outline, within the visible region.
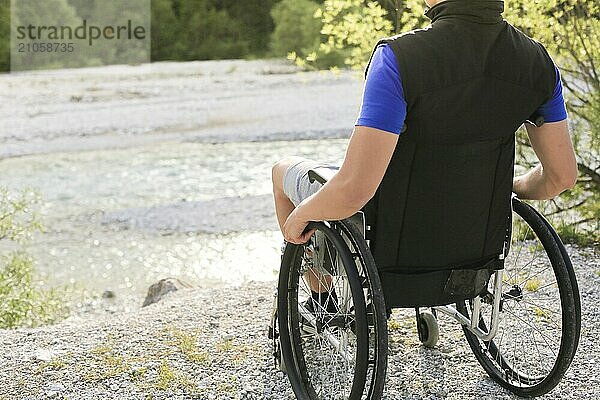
(431, 157)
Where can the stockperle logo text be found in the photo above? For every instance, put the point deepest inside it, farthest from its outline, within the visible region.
(85, 31)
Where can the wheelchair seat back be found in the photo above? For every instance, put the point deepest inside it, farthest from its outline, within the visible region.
(441, 219)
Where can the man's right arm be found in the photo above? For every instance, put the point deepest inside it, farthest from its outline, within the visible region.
(557, 170)
(551, 142)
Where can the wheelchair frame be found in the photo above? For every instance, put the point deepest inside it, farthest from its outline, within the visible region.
(472, 324)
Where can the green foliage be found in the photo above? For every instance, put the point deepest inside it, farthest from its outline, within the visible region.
(210, 29)
(296, 28)
(22, 301)
(412, 15)
(83, 8)
(254, 19)
(298, 34)
(60, 12)
(106, 13)
(570, 30)
(164, 30)
(17, 220)
(406, 15)
(208, 33)
(4, 35)
(181, 29)
(351, 27)
(573, 233)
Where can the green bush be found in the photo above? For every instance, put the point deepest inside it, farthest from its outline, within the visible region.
(164, 30)
(350, 29)
(206, 33)
(59, 12)
(23, 301)
(296, 28)
(4, 35)
(570, 30)
(298, 34)
(254, 19)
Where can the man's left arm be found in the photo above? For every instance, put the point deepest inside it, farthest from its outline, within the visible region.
(367, 158)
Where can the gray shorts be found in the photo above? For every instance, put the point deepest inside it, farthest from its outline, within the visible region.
(296, 184)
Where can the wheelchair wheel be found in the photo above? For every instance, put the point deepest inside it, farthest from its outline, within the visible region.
(540, 316)
(324, 341)
(428, 328)
(376, 309)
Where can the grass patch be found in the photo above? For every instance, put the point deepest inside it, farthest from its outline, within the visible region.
(570, 233)
(229, 385)
(187, 343)
(545, 315)
(225, 345)
(110, 364)
(533, 285)
(138, 373)
(226, 388)
(394, 325)
(236, 353)
(169, 378)
(522, 231)
(55, 364)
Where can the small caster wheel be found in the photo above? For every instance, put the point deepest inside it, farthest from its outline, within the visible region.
(429, 330)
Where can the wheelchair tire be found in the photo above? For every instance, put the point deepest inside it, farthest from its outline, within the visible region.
(540, 321)
(331, 359)
(376, 309)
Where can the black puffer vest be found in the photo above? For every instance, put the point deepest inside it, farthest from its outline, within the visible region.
(441, 216)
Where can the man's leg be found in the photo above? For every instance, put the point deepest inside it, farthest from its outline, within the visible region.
(283, 205)
(283, 208)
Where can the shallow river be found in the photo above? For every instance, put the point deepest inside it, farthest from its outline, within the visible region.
(122, 219)
(153, 171)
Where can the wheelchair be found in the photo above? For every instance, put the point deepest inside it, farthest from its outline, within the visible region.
(523, 328)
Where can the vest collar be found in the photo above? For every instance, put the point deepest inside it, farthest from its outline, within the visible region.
(479, 11)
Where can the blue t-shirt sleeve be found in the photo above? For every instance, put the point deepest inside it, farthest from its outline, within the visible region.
(554, 110)
(383, 104)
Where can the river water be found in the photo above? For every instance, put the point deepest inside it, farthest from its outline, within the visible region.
(132, 192)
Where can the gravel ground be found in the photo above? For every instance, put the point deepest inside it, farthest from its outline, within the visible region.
(210, 343)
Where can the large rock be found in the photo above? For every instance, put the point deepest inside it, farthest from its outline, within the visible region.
(163, 287)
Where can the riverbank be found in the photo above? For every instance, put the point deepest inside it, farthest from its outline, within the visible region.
(209, 343)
